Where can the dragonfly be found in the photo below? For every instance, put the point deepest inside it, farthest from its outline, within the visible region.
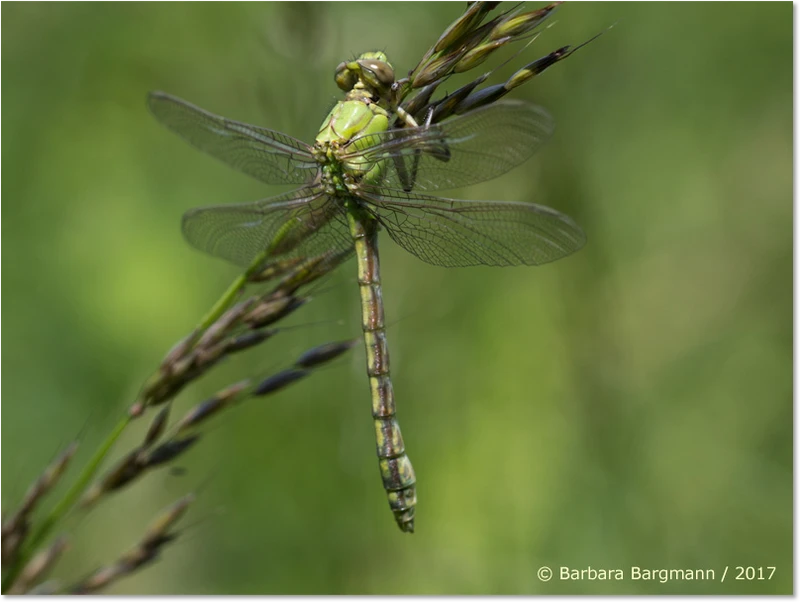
(364, 174)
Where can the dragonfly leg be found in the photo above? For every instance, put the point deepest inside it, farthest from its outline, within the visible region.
(406, 117)
(429, 117)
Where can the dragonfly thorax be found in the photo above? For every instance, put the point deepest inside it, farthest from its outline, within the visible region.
(340, 176)
(344, 134)
(333, 178)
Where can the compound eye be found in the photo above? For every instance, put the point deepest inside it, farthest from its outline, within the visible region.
(345, 77)
(377, 73)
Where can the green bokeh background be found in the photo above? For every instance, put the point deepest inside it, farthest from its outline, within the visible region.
(628, 406)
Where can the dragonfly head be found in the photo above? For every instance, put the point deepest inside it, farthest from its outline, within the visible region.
(371, 70)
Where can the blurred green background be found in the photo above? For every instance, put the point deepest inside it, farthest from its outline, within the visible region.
(628, 406)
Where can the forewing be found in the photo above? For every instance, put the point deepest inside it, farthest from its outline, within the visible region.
(266, 155)
(467, 149)
(301, 224)
(455, 233)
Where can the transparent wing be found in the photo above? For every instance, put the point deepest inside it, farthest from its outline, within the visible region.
(454, 233)
(300, 224)
(268, 156)
(468, 149)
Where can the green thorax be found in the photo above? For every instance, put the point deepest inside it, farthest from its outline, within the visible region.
(366, 109)
(352, 118)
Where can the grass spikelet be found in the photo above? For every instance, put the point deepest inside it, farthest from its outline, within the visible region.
(324, 353)
(16, 527)
(139, 461)
(168, 451)
(465, 45)
(279, 381)
(156, 427)
(157, 535)
(39, 566)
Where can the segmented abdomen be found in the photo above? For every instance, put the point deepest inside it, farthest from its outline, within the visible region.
(395, 467)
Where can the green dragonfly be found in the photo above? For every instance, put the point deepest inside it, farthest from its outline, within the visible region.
(361, 175)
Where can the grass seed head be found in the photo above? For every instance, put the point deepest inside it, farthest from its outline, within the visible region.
(169, 450)
(164, 521)
(180, 349)
(208, 408)
(127, 469)
(13, 538)
(249, 339)
(324, 353)
(279, 381)
(156, 427)
(15, 528)
(39, 566)
(519, 25)
(478, 55)
(225, 322)
(463, 26)
(270, 311)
